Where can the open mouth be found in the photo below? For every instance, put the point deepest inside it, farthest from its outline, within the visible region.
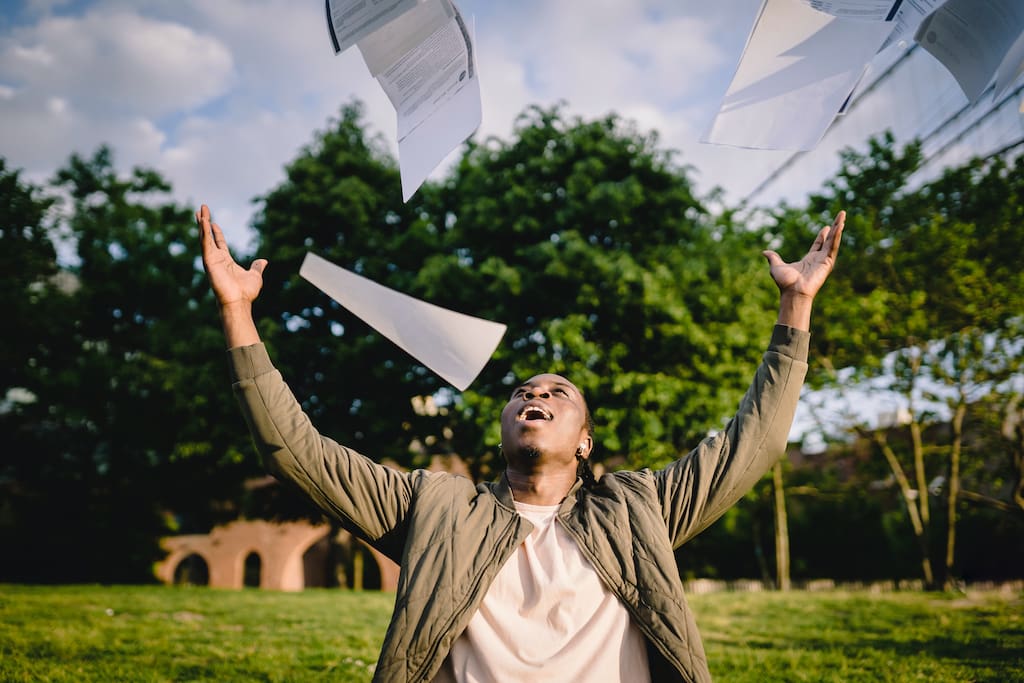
(530, 413)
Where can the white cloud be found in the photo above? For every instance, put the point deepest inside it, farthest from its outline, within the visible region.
(218, 96)
(661, 63)
(117, 62)
(29, 57)
(35, 7)
(503, 90)
(57, 106)
(601, 55)
(226, 161)
(39, 133)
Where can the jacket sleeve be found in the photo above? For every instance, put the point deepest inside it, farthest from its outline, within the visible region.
(370, 499)
(699, 487)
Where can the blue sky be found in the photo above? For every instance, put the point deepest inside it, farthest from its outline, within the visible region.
(218, 95)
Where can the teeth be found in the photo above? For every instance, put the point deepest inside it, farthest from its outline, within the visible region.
(534, 412)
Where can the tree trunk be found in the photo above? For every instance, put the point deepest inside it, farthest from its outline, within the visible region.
(918, 447)
(908, 494)
(953, 491)
(357, 565)
(1013, 429)
(782, 578)
(920, 474)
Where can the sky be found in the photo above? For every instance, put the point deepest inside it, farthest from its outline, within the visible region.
(219, 96)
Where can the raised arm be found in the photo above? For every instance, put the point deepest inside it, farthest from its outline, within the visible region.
(371, 500)
(699, 487)
(234, 286)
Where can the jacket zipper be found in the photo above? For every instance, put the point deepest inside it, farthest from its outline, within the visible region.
(603, 574)
(455, 615)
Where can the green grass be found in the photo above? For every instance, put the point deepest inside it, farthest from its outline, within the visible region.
(845, 636)
(156, 633)
(95, 633)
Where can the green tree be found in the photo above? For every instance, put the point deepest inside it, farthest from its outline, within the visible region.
(584, 237)
(927, 306)
(28, 265)
(341, 200)
(125, 431)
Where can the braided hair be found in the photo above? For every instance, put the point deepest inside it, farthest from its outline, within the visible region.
(583, 470)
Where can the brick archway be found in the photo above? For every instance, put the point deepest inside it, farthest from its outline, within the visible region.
(280, 547)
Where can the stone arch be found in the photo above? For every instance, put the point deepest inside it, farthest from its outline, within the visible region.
(252, 570)
(191, 570)
(280, 547)
(315, 562)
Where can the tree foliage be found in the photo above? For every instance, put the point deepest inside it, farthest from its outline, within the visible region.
(128, 421)
(341, 200)
(927, 308)
(585, 238)
(27, 264)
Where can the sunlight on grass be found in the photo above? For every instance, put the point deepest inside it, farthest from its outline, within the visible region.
(154, 633)
(861, 637)
(90, 633)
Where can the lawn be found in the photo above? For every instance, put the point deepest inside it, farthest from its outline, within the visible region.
(128, 633)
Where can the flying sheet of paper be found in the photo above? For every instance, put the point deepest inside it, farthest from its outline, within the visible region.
(350, 20)
(861, 10)
(797, 69)
(1011, 68)
(972, 39)
(910, 15)
(425, 63)
(454, 345)
(854, 91)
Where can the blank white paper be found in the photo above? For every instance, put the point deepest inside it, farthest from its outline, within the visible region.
(453, 345)
(797, 69)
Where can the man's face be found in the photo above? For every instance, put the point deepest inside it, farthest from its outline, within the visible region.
(546, 418)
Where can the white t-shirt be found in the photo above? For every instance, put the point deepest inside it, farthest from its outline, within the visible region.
(547, 617)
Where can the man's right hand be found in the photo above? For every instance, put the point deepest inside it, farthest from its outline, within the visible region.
(234, 286)
(232, 283)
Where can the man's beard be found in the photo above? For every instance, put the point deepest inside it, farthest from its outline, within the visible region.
(531, 452)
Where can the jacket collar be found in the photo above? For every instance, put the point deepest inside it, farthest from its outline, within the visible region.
(570, 498)
(502, 490)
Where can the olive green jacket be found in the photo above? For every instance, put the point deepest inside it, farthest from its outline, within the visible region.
(451, 537)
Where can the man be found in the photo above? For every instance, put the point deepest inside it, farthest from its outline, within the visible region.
(540, 576)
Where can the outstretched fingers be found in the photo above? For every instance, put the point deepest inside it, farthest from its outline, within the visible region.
(206, 239)
(218, 236)
(819, 240)
(828, 237)
(836, 235)
(211, 237)
(773, 258)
